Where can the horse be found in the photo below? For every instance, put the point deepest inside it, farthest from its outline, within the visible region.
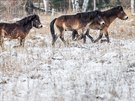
(19, 29)
(79, 22)
(108, 16)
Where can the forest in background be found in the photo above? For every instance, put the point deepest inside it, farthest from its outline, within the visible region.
(16, 8)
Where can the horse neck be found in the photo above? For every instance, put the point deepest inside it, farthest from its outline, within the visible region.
(25, 24)
(29, 26)
(108, 17)
(91, 17)
(112, 18)
(84, 17)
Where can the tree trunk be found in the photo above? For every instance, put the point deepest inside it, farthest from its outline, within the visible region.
(75, 5)
(46, 2)
(133, 7)
(69, 8)
(85, 5)
(94, 3)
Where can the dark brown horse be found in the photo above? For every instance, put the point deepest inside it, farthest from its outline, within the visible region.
(19, 29)
(108, 16)
(79, 22)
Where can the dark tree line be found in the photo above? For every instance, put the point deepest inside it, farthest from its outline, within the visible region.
(65, 4)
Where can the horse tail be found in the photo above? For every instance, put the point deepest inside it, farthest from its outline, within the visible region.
(53, 31)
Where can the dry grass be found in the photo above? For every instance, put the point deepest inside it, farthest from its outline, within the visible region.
(118, 30)
(38, 69)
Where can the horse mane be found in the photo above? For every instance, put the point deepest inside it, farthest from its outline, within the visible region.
(112, 12)
(94, 13)
(26, 20)
(82, 15)
(87, 16)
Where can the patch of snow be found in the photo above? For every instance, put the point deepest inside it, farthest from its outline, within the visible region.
(90, 72)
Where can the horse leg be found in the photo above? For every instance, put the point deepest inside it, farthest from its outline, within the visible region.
(54, 38)
(84, 38)
(2, 34)
(54, 35)
(1, 39)
(62, 37)
(74, 34)
(1, 42)
(22, 40)
(80, 34)
(100, 36)
(87, 33)
(92, 40)
(107, 37)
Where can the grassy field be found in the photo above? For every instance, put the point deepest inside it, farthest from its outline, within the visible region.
(78, 72)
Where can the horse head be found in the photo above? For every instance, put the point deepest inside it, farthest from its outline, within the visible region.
(120, 13)
(32, 21)
(36, 21)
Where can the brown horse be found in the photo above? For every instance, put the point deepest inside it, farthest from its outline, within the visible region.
(19, 29)
(108, 16)
(79, 22)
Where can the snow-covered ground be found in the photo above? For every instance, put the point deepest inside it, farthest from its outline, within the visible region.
(78, 72)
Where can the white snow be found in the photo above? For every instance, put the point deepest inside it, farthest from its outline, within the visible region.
(78, 72)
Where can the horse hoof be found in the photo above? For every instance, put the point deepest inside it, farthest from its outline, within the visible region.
(17, 46)
(92, 41)
(104, 41)
(101, 41)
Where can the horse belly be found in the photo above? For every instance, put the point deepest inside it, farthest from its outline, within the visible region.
(14, 35)
(66, 27)
(71, 27)
(76, 26)
(96, 26)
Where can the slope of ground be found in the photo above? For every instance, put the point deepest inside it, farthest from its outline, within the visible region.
(78, 72)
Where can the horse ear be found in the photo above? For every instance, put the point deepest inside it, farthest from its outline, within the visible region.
(96, 12)
(120, 7)
(34, 15)
(31, 17)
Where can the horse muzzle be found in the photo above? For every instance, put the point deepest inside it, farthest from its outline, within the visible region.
(101, 26)
(40, 26)
(102, 23)
(125, 17)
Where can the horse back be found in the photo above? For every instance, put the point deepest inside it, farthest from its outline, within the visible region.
(69, 22)
(7, 27)
(11, 30)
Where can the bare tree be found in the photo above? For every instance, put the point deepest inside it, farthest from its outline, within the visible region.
(75, 5)
(94, 3)
(46, 3)
(69, 8)
(133, 7)
(85, 5)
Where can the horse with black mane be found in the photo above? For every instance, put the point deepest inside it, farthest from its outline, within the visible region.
(78, 22)
(19, 29)
(108, 16)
